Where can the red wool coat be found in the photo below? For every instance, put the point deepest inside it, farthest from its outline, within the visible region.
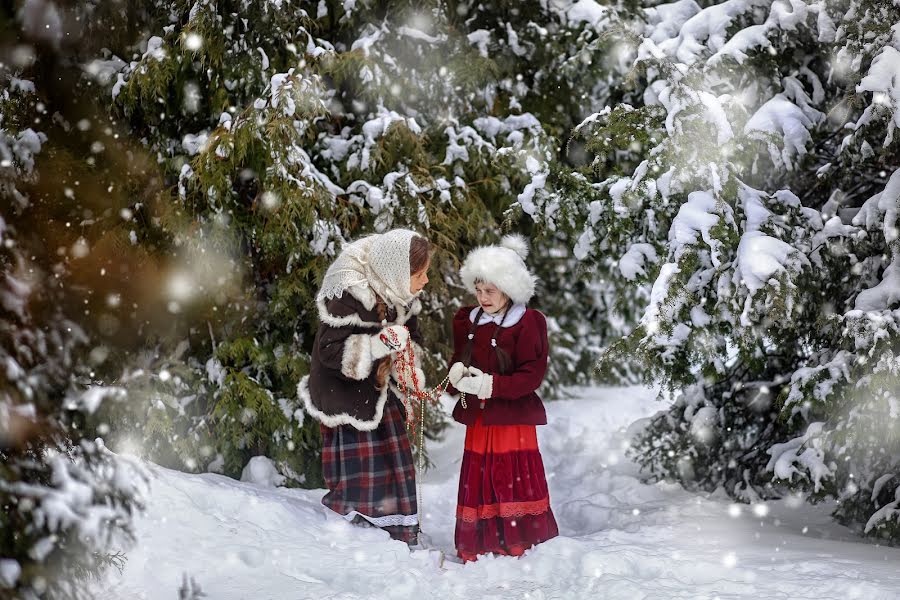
(515, 400)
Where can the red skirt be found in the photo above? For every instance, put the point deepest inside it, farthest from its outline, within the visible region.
(503, 503)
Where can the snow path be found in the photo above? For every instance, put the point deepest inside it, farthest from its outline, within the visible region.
(619, 537)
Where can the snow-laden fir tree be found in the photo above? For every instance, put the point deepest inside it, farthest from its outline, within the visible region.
(66, 502)
(283, 129)
(751, 178)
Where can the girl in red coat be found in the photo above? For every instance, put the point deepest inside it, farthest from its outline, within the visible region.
(499, 361)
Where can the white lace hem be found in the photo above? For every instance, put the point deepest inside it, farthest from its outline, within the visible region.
(385, 521)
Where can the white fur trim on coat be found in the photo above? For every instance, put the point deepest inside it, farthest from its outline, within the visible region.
(503, 266)
(487, 387)
(342, 418)
(356, 362)
(403, 315)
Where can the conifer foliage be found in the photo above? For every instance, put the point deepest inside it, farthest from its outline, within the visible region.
(284, 129)
(750, 177)
(711, 189)
(66, 501)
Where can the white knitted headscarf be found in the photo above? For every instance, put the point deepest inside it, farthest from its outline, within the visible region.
(378, 263)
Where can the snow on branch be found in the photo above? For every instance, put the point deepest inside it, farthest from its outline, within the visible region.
(804, 452)
(698, 216)
(588, 12)
(888, 512)
(706, 30)
(784, 16)
(635, 262)
(884, 295)
(781, 120)
(90, 399)
(658, 310)
(666, 20)
(818, 381)
(883, 80)
(882, 210)
(762, 257)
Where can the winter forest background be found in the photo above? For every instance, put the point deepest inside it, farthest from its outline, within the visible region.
(711, 189)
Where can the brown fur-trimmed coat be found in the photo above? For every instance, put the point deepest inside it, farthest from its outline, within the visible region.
(341, 387)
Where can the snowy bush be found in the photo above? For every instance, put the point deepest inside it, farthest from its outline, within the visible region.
(281, 131)
(67, 502)
(261, 471)
(749, 178)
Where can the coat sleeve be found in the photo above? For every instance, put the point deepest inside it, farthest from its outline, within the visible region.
(344, 350)
(530, 361)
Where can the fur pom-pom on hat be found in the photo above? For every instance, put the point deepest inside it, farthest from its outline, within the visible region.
(516, 242)
(504, 266)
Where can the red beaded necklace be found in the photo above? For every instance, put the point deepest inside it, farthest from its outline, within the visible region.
(405, 362)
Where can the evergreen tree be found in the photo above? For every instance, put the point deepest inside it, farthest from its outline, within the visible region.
(749, 178)
(283, 130)
(67, 502)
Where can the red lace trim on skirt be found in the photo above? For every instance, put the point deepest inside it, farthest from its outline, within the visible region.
(504, 510)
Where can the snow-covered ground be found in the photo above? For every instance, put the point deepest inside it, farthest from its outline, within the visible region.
(619, 538)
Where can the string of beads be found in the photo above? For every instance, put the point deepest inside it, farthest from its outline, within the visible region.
(405, 363)
(408, 380)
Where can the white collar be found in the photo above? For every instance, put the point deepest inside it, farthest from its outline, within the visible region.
(515, 314)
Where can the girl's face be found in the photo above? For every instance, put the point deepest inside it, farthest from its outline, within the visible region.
(490, 298)
(418, 280)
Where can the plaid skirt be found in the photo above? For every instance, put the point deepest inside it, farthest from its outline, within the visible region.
(371, 476)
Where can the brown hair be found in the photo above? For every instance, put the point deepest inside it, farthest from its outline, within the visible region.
(384, 365)
(420, 251)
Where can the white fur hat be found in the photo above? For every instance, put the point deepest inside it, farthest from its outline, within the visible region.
(502, 265)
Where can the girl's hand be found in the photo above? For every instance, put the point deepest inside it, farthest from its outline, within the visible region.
(457, 372)
(390, 339)
(481, 385)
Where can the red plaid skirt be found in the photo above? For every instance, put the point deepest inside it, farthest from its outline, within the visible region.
(503, 503)
(370, 475)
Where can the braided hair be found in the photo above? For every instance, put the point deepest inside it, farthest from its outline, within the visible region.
(504, 362)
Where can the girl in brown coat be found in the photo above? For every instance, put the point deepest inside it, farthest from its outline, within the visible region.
(368, 312)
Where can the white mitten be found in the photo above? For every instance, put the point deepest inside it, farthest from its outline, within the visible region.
(420, 378)
(380, 349)
(480, 385)
(402, 375)
(457, 372)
